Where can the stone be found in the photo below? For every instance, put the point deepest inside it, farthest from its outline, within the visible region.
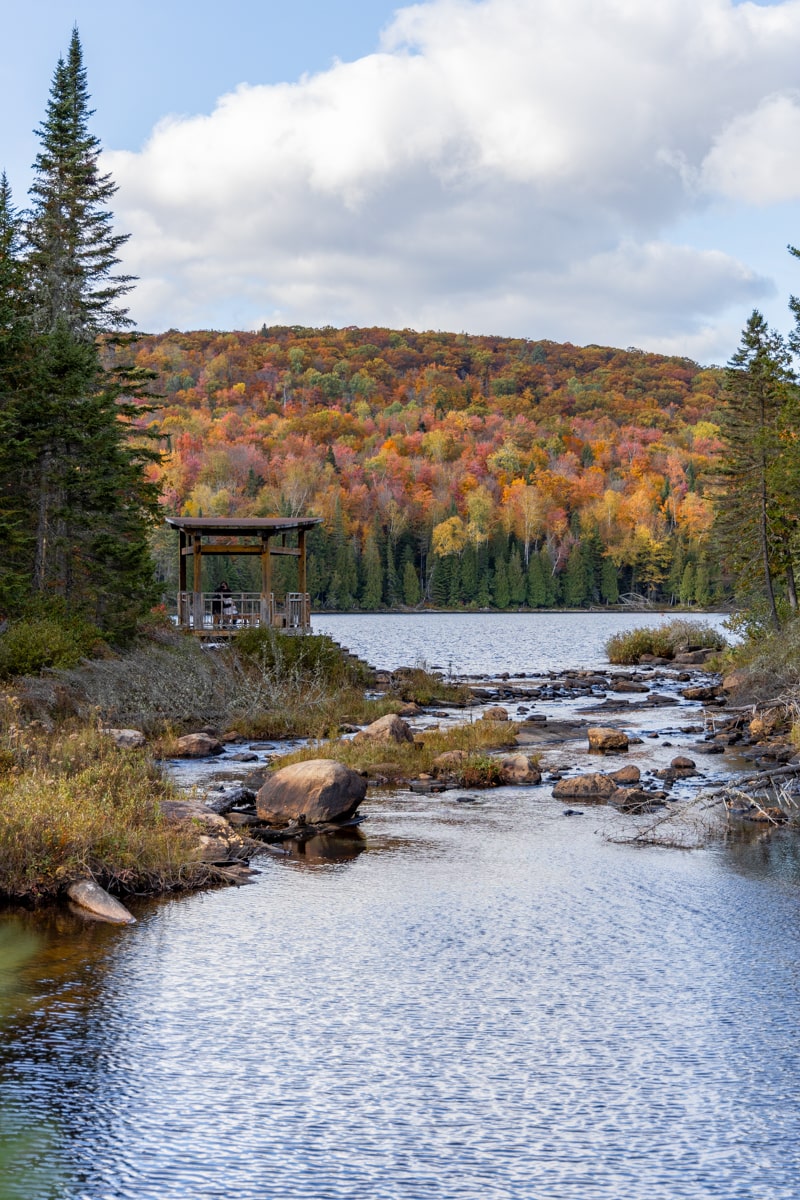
(626, 775)
(96, 900)
(630, 799)
(126, 739)
(606, 741)
(585, 787)
(198, 745)
(518, 768)
(193, 810)
(700, 693)
(390, 728)
(733, 681)
(693, 658)
(682, 763)
(318, 789)
(448, 760)
(495, 713)
(628, 685)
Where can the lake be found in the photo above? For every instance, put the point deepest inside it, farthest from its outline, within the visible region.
(471, 1000)
(485, 643)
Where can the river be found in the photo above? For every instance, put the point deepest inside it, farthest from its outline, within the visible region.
(478, 1000)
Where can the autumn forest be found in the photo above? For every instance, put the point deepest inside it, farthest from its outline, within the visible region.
(450, 470)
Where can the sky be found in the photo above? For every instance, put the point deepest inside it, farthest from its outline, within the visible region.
(619, 172)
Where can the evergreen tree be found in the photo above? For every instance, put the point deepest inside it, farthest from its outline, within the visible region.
(454, 589)
(702, 585)
(469, 574)
(72, 247)
(537, 587)
(686, 594)
(82, 507)
(440, 582)
(754, 427)
(411, 589)
(609, 582)
(500, 593)
(575, 582)
(371, 589)
(517, 582)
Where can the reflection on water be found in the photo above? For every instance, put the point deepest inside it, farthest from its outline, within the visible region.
(489, 1001)
(326, 848)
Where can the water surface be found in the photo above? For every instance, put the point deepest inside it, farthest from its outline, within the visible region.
(484, 999)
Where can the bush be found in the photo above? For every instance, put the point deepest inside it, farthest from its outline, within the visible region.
(29, 646)
(316, 656)
(663, 641)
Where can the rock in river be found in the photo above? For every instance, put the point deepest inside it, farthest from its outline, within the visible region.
(319, 790)
(585, 787)
(390, 728)
(607, 741)
(198, 745)
(96, 900)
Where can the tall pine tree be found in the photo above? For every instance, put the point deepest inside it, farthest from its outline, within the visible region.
(83, 505)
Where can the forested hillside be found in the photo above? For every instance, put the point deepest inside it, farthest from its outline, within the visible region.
(450, 468)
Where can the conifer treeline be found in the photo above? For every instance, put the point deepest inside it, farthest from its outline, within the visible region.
(449, 469)
(74, 501)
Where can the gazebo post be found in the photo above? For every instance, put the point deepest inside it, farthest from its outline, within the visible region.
(266, 582)
(183, 608)
(197, 599)
(301, 577)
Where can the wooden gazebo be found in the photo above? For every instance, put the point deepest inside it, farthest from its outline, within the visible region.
(202, 612)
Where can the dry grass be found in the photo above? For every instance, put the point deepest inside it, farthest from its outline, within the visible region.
(411, 759)
(72, 805)
(664, 641)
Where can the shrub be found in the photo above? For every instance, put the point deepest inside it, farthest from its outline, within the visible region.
(30, 645)
(663, 641)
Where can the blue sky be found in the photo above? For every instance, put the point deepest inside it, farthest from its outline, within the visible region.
(583, 170)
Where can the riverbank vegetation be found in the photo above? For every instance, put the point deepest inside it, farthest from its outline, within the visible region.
(662, 641)
(72, 805)
(469, 744)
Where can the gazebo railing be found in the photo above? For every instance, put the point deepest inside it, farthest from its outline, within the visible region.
(245, 610)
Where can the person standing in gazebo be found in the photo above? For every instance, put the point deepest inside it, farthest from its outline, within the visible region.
(218, 602)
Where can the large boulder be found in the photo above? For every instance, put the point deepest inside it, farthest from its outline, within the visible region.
(606, 741)
(390, 728)
(90, 896)
(518, 768)
(495, 713)
(585, 787)
(198, 745)
(319, 790)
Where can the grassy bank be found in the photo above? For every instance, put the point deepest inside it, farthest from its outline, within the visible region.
(410, 759)
(73, 805)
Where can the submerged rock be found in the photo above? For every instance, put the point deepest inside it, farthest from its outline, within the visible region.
(319, 790)
(96, 900)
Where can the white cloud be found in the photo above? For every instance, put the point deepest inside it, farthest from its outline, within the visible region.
(503, 166)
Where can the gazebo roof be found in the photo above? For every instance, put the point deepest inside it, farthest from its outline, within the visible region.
(242, 526)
